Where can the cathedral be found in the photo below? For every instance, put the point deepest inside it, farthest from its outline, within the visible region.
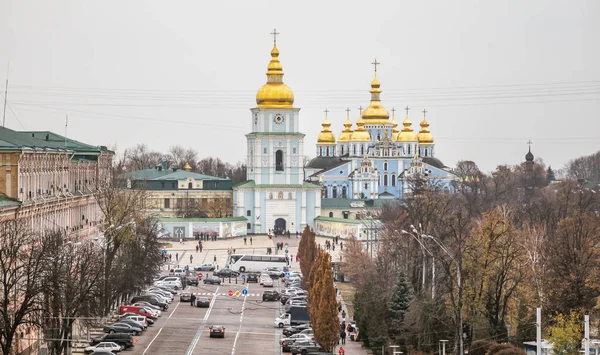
(372, 160)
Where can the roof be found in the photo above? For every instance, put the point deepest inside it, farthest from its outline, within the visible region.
(226, 219)
(434, 162)
(7, 202)
(325, 163)
(347, 203)
(252, 184)
(10, 139)
(169, 174)
(340, 220)
(294, 134)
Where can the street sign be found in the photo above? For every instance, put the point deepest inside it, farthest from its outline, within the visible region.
(287, 274)
(244, 292)
(230, 293)
(237, 293)
(243, 277)
(164, 251)
(286, 251)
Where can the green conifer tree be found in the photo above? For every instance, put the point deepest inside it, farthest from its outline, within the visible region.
(398, 305)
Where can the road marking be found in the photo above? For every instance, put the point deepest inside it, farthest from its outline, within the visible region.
(201, 328)
(241, 321)
(173, 311)
(153, 339)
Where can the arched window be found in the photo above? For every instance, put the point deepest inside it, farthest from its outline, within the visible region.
(362, 150)
(385, 166)
(393, 179)
(248, 213)
(344, 192)
(385, 180)
(366, 185)
(342, 150)
(409, 149)
(327, 151)
(248, 226)
(190, 185)
(354, 149)
(324, 191)
(334, 191)
(331, 214)
(279, 160)
(425, 150)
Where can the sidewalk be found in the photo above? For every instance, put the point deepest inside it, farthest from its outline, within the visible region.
(351, 347)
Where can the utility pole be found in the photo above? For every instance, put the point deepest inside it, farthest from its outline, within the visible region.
(5, 97)
(538, 335)
(586, 332)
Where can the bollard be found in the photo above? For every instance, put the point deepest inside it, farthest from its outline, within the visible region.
(236, 280)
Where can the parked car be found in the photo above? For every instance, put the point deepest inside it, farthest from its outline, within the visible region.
(185, 297)
(121, 328)
(105, 345)
(274, 272)
(123, 339)
(179, 272)
(268, 283)
(270, 295)
(252, 277)
(143, 320)
(139, 310)
(213, 280)
(286, 343)
(152, 300)
(204, 267)
(226, 273)
(295, 329)
(192, 281)
(303, 347)
(217, 331)
(132, 323)
(202, 302)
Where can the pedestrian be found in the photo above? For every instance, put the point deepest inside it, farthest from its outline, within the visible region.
(333, 246)
(291, 257)
(234, 250)
(201, 247)
(191, 258)
(245, 239)
(170, 257)
(176, 256)
(343, 314)
(180, 240)
(341, 351)
(192, 300)
(343, 337)
(197, 247)
(341, 246)
(215, 259)
(250, 240)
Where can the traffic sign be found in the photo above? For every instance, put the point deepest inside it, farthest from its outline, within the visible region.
(244, 292)
(243, 277)
(286, 251)
(287, 274)
(164, 251)
(237, 293)
(230, 293)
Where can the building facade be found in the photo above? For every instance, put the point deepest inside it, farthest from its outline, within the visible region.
(275, 196)
(375, 160)
(175, 193)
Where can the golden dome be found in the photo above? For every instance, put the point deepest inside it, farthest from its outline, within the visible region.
(424, 135)
(375, 113)
(360, 134)
(275, 94)
(346, 134)
(187, 167)
(326, 136)
(407, 134)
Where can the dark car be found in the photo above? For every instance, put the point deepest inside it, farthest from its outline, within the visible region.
(252, 277)
(153, 300)
(132, 323)
(217, 331)
(202, 302)
(103, 352)
(213, 280)
(121, 328)
(226, 273)
(123, 339)
(295, 329)
(192, 281)
(185, 297)
(304, 347)
(270, 295)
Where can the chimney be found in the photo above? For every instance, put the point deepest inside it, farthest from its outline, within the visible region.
(164, 163)
(47, 136)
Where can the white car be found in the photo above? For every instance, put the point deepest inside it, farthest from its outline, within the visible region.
(264, 277)
(105, 345)
(179, 272)
(267, 282)
(176, 285)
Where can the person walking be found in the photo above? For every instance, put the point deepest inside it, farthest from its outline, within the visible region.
(197, 247)
(245, 239)
(341, 351)
(191, 258)
(343, 315)
(343, 337)
(250, 240)
(176, 256)
(193, 300)
(201, 247)
(215, 259)
(341, 245)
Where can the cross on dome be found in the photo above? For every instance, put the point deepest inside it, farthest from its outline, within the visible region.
(375, 64)
(275, 34)
(348, 112)
(407, 109)
(424, 112)
(393, 112)
(360, 109)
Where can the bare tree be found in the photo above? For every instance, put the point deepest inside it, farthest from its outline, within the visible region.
(21, 265)
(141, 157)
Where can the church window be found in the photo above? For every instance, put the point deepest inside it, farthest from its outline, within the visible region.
(354, 149)
(344, 192)
(270, 195)
(409, 149)
(342, 150)
(248, 226)
(366, 185)
(279, 160)
(294, 150)
(362, 150)
(330, 214)
(425, 151)
(378, 136)
(393, 179)
(385, 166)
(167, 203)
(265, 150)
(280, 195)
(324, 191)
(385, 180)
(190, 186)
(327, 151)
(334, 191)
(248, 213)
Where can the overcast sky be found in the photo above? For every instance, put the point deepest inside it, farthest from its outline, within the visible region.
(491, 74)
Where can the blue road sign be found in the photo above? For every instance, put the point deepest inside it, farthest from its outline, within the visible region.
(286, 251)
(244, 292)
(287, 274)
(243, 277)
(164, 251)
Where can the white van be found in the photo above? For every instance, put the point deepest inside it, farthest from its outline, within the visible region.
(179, 272)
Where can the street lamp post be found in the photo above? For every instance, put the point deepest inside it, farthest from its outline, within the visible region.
(459, 296)
(419, 238)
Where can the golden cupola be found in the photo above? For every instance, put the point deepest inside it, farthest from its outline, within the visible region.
(375, 113)
(275, 94)
(424, 135)
(407, 134)
(346, 134)
(326, 136)
(360, 134)
(187, 167)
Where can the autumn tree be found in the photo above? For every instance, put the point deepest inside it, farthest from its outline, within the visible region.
(323, 303)
(22, 262)
(307, 251)
(565, 333)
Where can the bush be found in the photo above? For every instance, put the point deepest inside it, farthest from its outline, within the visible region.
(497, 348)
(480, 347)
(512, 350)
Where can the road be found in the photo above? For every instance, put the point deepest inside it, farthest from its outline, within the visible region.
(184, 329)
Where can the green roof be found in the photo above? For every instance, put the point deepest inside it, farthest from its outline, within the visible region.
(7, 202)
(169, 174)
(252, 184)
(16, 140)
(227, 219)
(346, 203)
(341, 220)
